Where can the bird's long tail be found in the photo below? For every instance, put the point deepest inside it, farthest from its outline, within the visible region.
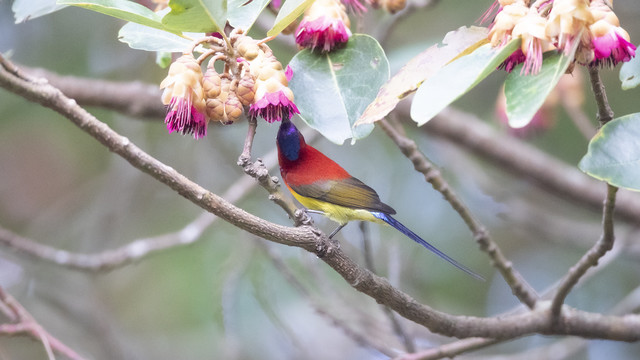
(403, 229)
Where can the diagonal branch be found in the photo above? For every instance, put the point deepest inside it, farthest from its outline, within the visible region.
(591, 258)
(519, 286)
(576, 322)
(24, 323)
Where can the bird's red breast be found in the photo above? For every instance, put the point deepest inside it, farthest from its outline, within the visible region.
(310, 167)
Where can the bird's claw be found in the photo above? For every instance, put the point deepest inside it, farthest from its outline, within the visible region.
(301, 217)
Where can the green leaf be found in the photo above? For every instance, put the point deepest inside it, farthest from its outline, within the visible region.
(24, 10)
(526, 93)
(332, 90)
(289, 11)
(196, 15)
(614, 153)
(145, 38)
(457, 78)
(243, 13)
(630, 73)
(419, 68)
(121, 9)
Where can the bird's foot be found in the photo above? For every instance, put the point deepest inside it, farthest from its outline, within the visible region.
(324, 247)
(301, 217)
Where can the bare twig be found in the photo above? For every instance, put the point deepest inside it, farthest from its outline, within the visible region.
(24, 323)
(270, 183)
(519, 286)
(449, 350)
(605, 114)
(591, 258)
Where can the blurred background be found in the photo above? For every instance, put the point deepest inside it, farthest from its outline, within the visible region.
(230, 295)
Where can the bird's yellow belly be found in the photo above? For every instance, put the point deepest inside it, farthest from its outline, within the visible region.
(337, 213)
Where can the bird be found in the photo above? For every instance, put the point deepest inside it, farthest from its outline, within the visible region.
(324, 187)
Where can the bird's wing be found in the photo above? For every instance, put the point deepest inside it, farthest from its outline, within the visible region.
(349, 192)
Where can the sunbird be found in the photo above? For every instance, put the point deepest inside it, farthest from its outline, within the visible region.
(324, 187)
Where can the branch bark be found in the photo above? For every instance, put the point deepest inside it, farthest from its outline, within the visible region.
(24, 323)
(576, 322)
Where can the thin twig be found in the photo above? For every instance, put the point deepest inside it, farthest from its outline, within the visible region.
(449, 350)
(590, 259)
(270, 183)
(605, 114)
(24, 323)
(519, 286)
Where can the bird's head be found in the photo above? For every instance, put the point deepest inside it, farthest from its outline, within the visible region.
(289, 140)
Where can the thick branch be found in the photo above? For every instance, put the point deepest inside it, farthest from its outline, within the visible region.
(519, 286)
(579, 323)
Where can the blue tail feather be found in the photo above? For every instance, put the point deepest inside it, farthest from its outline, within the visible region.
(403, 229)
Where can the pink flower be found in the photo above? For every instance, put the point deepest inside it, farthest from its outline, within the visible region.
(610, 44)
(184, 118)
(184, 96)
(324, 26)
(512, 61)
(274, 106)
(322, 34)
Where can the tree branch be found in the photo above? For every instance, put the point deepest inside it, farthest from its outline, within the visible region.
(590, 259)
(605, 114)
(259, 171)
(576, 322)
(519, 286)
(24, 323)
(449, 350)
